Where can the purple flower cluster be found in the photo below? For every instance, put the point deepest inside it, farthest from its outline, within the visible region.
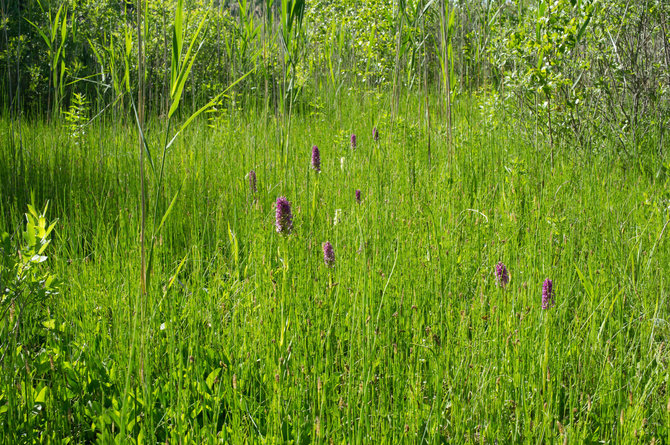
(252, 181)
(502, 279)
(502, 276)
(328, 254)
(283, 217)
(283, 214)
(316, 159)
(547, 294)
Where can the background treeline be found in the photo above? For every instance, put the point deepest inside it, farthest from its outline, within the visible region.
(581, 73)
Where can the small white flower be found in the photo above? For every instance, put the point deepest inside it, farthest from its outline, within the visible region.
(342, 159)
(338, 217)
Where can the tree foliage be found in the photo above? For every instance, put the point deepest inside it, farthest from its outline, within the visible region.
(591, 73)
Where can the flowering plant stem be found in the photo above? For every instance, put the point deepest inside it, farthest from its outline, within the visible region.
(545, 360)
(315, 191)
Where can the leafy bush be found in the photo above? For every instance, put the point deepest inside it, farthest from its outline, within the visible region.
(592, 73)
(25, 285)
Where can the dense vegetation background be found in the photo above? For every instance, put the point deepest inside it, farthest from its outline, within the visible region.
(589, 73)
(152, 299)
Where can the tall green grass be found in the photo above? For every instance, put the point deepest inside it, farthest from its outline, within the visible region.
(250, 337)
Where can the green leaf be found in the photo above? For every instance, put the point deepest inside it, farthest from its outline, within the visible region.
(176, 274)
(126, 59)
(44, 37)
(50, 228)
(588, 284)
(144, 141)
(169, 209)
(582, 28)
(43, 248)
(178, 87)
(211, 378)
(63, 30)
(425, 8)
(56, 22)
(33, 211)
(450, 26)
(62, 74)
(178, 20)
(29, 237)
(42, 395)
(609, 312)
(177, 43)
(206, 107)
(193, 116)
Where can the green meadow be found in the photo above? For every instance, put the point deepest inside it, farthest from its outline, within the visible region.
(245, 335)
(334, 222)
